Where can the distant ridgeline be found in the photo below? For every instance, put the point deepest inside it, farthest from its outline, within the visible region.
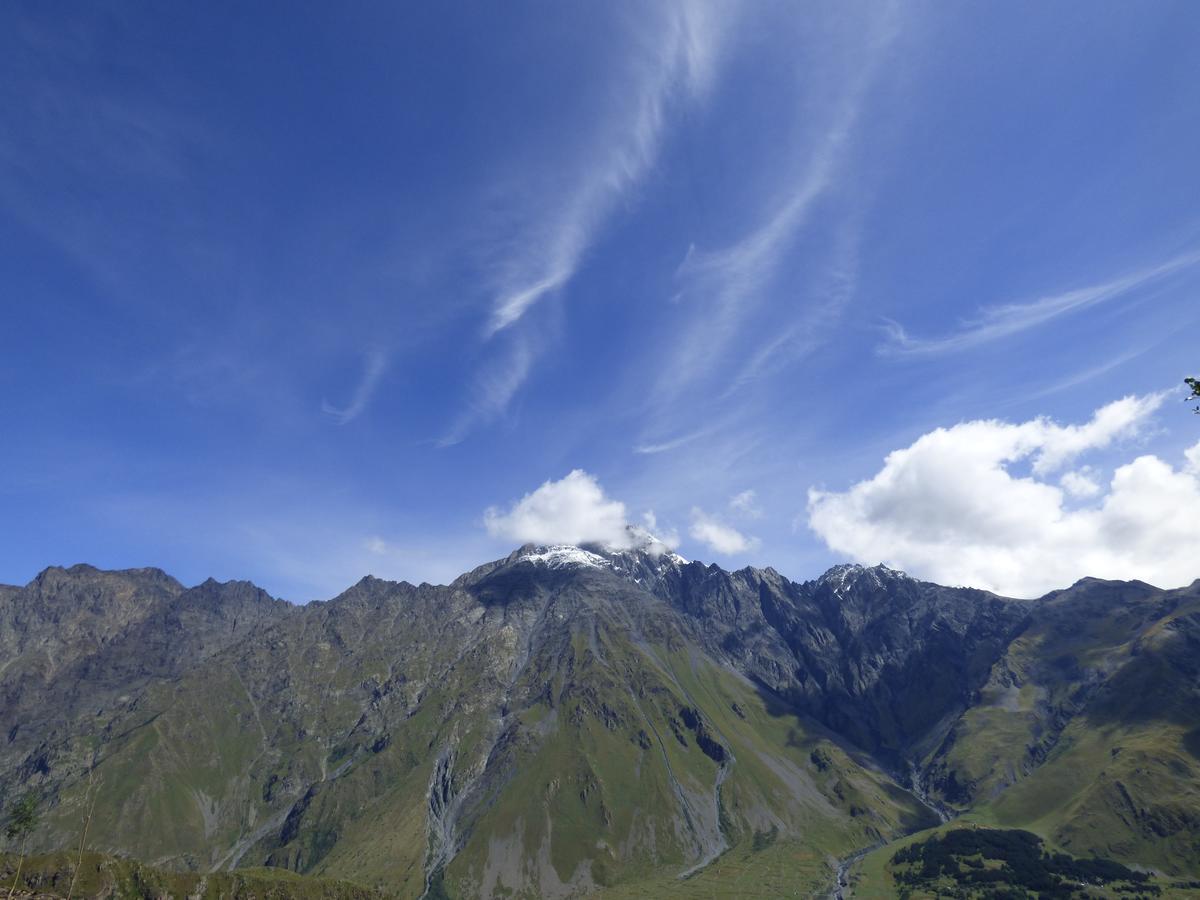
(571, 720)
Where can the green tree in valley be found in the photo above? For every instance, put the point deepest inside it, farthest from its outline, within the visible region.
(1194, 385)
(21, 823)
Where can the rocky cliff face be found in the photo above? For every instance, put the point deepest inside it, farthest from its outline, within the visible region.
(567, 718)
(873, 654)
(79, 646)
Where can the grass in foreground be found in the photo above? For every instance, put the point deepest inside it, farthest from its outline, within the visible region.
(49, 875)
(779, 870)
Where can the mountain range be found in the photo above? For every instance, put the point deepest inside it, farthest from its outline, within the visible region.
(571, 720)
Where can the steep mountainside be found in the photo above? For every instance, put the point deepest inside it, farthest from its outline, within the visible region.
(79, 646)
(1093, 718)
(569, 719)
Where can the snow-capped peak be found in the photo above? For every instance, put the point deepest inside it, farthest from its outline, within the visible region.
(649, 560)
(642, 541)
(838, 576)
(561, 556)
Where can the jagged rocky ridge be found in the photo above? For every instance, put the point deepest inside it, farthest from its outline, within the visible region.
(568, 718)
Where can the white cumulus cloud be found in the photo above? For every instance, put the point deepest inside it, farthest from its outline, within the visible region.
(746, 504)
(954, 507)
(572, 510)
(719, 536)
(1081, 484)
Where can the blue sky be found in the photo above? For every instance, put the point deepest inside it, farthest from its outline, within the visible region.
(294, 293)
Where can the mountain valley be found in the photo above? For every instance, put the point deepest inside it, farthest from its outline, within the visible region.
(575, 720)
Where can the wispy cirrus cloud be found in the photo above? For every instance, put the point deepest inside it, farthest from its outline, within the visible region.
(808, 329)
(732, 281)
(373, 370)
(678, 64)
(1084, 376)
(493, 390)
(664, 446)
(1007, 319)
(674, 64)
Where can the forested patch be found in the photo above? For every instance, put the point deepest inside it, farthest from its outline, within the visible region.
(994, 863)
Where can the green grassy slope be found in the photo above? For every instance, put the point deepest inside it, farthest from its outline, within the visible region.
(577, 742)
(652, 761)
(531, 732)
(50, 875)
(1086, 733)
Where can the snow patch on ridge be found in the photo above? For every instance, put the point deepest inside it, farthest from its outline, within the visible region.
(838, 576)
(562, 555)
(654, 556)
